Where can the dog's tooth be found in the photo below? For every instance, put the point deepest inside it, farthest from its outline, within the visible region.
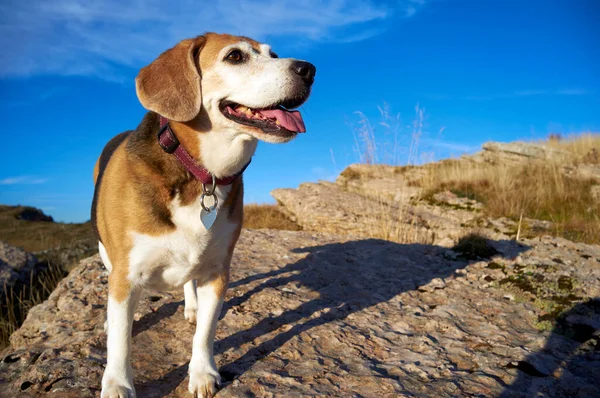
(277, 122)
(249, 112)
(242, 108)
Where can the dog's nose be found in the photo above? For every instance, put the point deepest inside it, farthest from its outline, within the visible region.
(305, 70)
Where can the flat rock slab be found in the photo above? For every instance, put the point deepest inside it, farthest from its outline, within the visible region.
(311, 314)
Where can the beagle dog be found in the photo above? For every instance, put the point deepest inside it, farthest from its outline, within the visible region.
(168, 199)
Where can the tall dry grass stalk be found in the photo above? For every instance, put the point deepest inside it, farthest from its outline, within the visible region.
(389, 142)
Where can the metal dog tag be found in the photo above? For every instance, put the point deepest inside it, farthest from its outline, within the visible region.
(208, 214)
(208, 218)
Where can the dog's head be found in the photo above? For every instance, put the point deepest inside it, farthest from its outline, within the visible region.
(239, 84)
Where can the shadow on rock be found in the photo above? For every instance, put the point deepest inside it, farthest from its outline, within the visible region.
(152, 318)
(569, 363)
(345, 278)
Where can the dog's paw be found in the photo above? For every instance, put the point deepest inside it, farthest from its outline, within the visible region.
(204, 384)
(116, 391)
(190, 315)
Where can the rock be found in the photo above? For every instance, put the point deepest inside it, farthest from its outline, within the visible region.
(451, 199)
(390, 184)
(436, 283)
(316, 314)
(332, 209)
(16, 266)
(516, 150)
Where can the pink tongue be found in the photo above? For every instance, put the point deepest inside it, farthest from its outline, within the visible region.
(291, 120)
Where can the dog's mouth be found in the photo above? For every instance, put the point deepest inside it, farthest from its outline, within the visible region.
(272, 120)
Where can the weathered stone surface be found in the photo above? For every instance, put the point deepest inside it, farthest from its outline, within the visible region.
(524, 150)
(16, 266)
(327, 208)
(332, 209)
(311, 314)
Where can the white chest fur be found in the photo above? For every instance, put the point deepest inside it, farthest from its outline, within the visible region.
(189, 252)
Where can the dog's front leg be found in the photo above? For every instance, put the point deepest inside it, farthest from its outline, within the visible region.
(191, 301)
(204, 375)
(118, 375)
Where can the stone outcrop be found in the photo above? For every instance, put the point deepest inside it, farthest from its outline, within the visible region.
(519, 150)
(16, 267)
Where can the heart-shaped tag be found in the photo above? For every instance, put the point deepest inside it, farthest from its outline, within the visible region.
(208, 218)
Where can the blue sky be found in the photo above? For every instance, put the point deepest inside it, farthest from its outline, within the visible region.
(479, 70)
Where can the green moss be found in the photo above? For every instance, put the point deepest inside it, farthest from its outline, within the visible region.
(495, 265)
(521, 282)
(565, 283)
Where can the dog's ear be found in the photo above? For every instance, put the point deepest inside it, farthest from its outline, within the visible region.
(170, 86)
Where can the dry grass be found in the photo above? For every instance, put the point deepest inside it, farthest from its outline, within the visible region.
(267, 216)
(538, 190)
(57, 244)
(18, 301)
(583, 146)
(393, 223)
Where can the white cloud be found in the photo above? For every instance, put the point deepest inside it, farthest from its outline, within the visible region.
(22, 180)
(82, 37)
(573, 91)
(526, 93)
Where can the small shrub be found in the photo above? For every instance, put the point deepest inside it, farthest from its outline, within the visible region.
(474, 246)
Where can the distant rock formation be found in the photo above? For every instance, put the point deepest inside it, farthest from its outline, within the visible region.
(32, 214)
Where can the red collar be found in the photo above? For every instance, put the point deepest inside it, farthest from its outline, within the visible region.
(170, 144)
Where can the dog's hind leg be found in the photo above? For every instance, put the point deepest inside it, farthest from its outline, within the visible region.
(204, 375)
(118, 375)
(191, 301)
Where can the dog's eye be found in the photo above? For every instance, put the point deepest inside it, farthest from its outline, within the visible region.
(235, 56)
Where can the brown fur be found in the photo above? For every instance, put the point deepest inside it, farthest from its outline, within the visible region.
(170, 85)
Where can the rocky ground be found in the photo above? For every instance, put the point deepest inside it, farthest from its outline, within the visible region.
(332, 311)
